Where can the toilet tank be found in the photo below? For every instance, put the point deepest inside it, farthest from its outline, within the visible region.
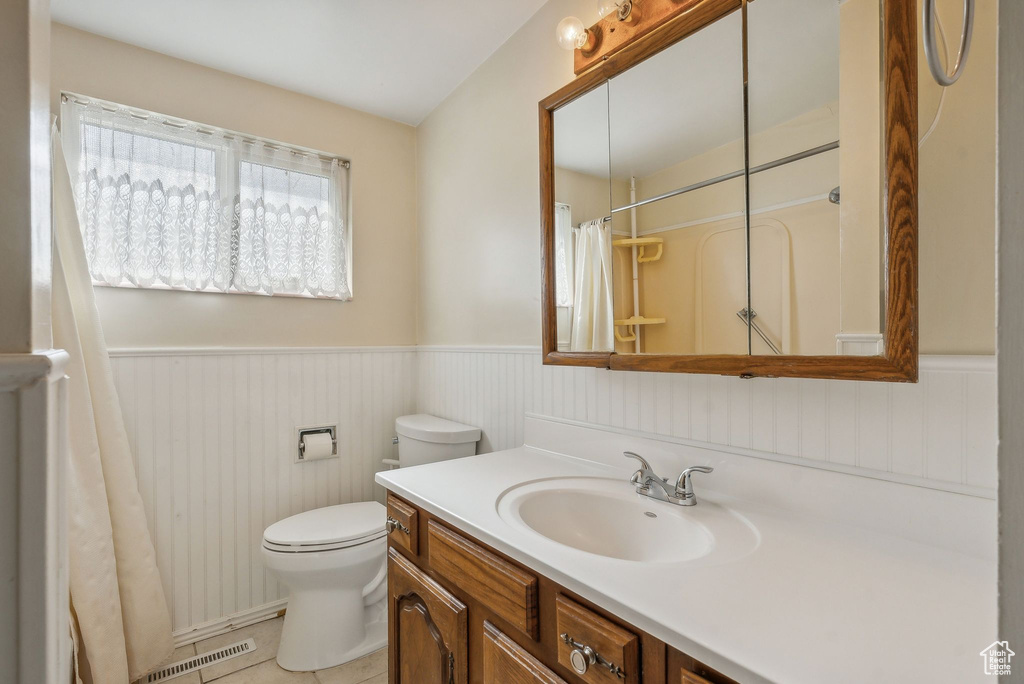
(423, 438)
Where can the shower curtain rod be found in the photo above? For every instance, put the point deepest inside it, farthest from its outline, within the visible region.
(828, 147)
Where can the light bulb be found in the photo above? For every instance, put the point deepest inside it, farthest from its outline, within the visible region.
(606, 7)
(572, 34)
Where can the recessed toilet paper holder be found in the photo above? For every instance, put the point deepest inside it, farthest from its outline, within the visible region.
(302, 432)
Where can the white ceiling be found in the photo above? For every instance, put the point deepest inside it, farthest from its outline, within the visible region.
(394, 58)
(688, 99)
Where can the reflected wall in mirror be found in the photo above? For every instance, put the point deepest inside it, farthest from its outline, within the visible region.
(584, 278)
(815, 221)
(676, 125)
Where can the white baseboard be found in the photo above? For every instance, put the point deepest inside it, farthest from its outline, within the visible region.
(228, 623)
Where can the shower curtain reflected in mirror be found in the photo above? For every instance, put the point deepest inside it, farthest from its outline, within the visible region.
(592, 325)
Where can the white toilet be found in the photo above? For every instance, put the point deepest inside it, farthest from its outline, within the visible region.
(332, 560)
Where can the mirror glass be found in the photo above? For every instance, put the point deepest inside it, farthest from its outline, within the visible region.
(583, 238)
(676, 146)
(660, 250)
(816, 176)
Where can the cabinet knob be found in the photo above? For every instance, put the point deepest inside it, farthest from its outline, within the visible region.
(394, 524)
(582, 659)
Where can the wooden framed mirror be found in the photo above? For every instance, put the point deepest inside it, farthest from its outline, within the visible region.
(735, 193)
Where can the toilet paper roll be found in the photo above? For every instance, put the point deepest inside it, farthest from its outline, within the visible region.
(318, 445)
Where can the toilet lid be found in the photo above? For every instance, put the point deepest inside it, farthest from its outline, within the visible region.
(329, 526)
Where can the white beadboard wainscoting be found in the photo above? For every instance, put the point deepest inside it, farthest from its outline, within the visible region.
(212, 434)
(940, 432)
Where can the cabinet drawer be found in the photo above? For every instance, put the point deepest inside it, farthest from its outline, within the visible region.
(505, 662)
(613, 647)
(683, 669)
(403, 524)
(511, 593)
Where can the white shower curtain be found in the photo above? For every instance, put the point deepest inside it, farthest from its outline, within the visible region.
(592, 324)
(120, 621)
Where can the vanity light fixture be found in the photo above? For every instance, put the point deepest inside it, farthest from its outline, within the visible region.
(573, 35)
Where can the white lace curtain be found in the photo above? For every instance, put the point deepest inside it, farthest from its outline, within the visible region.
(563, 255)
(180, 208)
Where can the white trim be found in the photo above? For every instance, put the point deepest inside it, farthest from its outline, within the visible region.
(207, 630)
(214, 291)
(958, 363)
(968, 490)
(20, 370)
(33, 533)
(927, 362)
(480, 349)
(252, 351)
(859, 344)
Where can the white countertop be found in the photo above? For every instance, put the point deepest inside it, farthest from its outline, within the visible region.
(817, 600)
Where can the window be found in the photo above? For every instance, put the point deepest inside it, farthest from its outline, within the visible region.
(564, 272)
(174, 205)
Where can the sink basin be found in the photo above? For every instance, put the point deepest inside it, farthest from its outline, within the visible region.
(606, 517)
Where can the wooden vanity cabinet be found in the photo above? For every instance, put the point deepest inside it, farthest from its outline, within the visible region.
(460, 612)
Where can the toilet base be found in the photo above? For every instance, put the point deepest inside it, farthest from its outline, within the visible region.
(319, 639)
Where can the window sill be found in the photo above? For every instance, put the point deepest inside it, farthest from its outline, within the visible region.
(165, 288)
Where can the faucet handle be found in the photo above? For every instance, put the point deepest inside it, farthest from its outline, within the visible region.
(643, 463)
(640, 477)
(684, 485)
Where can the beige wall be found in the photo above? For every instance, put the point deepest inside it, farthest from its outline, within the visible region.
(860, 165)
(479, 196)
(587, 195)
(957, 197)
(480, 144)
(383, 154)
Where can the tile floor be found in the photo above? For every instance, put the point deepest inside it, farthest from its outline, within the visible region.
(260, 666)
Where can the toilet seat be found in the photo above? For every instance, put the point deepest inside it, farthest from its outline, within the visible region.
(327, 529)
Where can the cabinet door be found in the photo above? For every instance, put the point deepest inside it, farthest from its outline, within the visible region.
(505, 662)
(427, 628)
(682, 669)
(687, 677)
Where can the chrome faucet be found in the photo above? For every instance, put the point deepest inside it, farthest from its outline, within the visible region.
(648, 483)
